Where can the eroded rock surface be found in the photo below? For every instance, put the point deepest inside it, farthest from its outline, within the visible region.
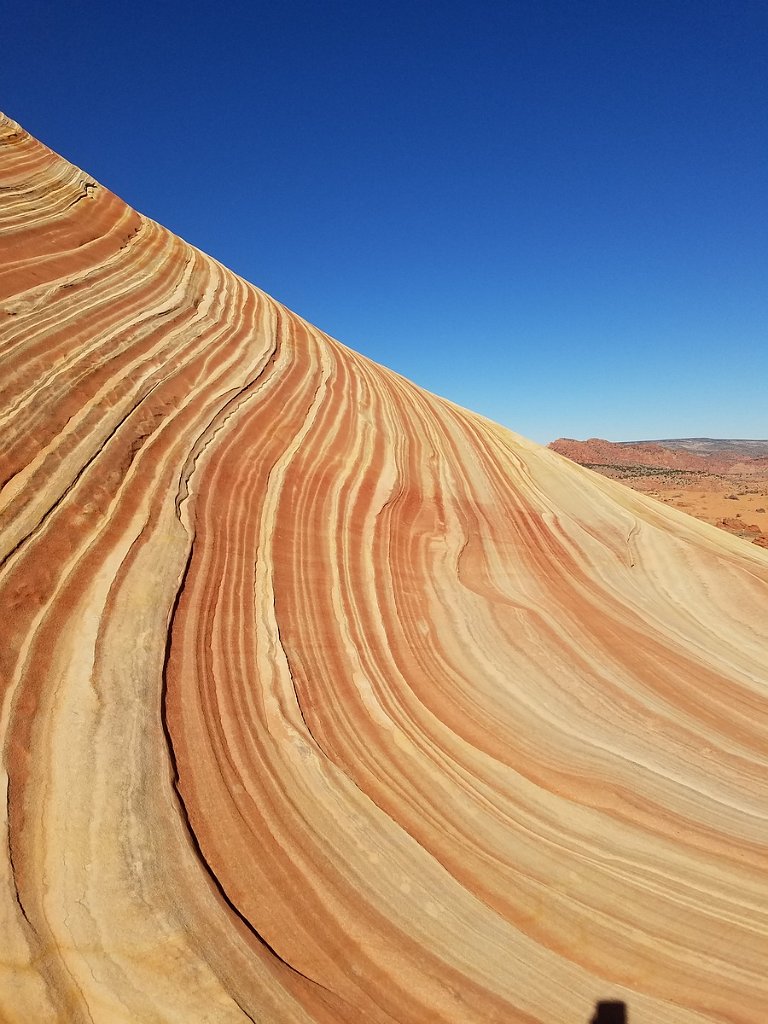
(325, 700)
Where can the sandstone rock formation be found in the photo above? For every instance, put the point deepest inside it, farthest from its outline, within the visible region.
(670, 455)
(325, 700)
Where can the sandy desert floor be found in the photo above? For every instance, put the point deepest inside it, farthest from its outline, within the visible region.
(713, 499)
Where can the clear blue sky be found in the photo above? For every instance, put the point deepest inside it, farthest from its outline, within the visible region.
(553, 213)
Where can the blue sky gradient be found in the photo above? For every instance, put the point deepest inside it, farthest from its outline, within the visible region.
(553, 213)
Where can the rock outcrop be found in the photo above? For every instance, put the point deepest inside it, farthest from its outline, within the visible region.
(325, 700)
(597, 452)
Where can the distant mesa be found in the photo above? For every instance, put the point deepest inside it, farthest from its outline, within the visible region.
(325, 701)
(704, 455)
(722, 447)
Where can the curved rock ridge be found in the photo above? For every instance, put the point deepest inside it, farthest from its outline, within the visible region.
(325, 700)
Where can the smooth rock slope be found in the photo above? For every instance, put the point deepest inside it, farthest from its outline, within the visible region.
(325, 700)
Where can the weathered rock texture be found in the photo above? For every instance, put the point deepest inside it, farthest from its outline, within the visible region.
(325, 700)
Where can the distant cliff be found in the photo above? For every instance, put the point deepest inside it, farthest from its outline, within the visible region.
(705, 456)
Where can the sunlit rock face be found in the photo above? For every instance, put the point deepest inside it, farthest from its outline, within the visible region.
(325, 700)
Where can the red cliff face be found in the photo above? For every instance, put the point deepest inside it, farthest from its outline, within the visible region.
(325, 700)
(596, 452)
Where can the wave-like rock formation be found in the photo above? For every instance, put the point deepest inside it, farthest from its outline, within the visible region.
(325, 700)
